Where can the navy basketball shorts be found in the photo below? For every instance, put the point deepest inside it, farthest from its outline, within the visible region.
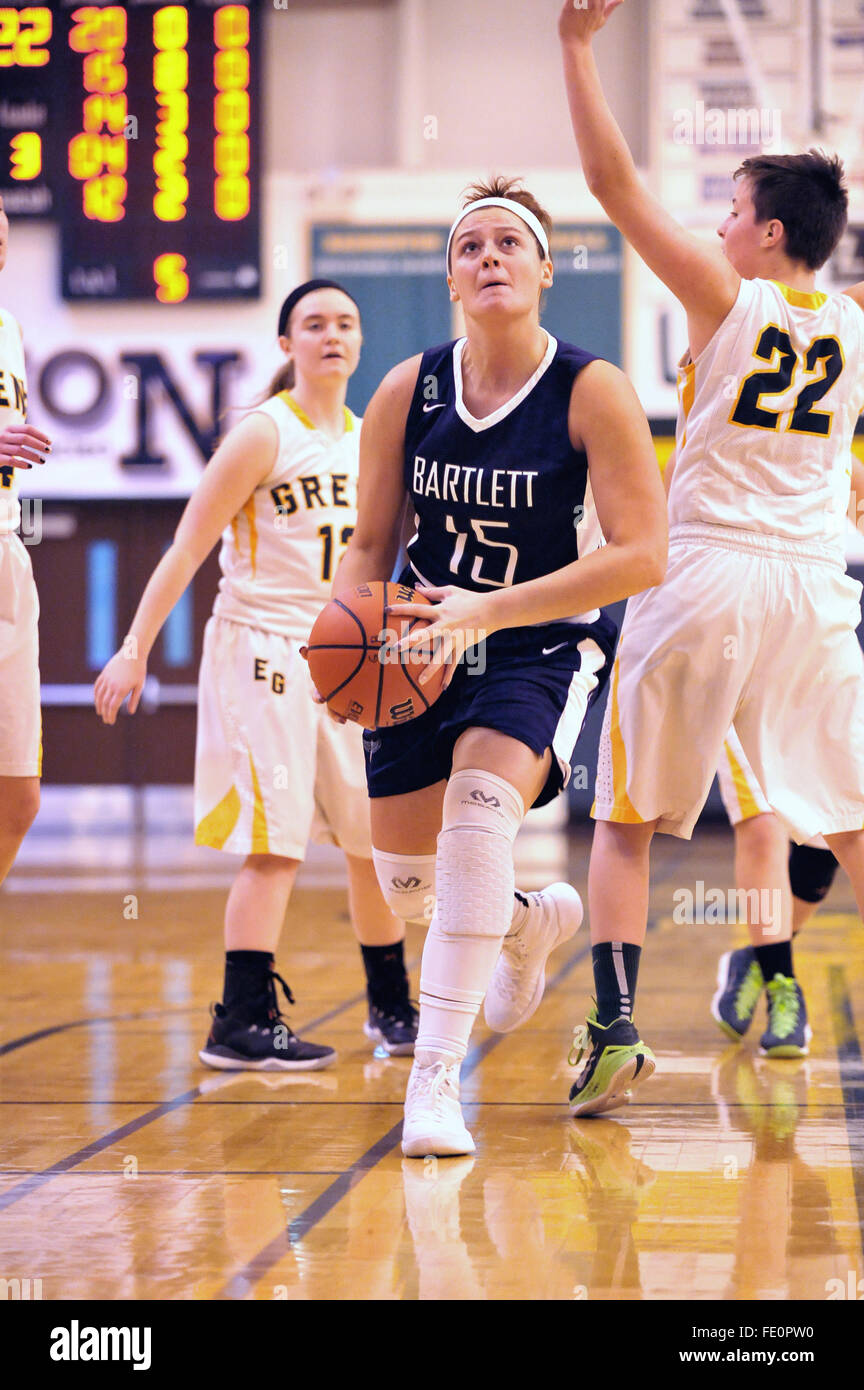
(534, 683)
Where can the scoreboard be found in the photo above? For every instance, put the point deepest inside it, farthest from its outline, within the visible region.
(27, 109)
(136, 127)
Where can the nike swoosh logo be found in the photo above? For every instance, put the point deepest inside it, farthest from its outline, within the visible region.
(439, 406)
(547, 651)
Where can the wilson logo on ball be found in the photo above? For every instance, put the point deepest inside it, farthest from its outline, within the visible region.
(402, 712)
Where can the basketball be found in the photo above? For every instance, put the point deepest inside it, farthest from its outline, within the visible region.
(353, 664)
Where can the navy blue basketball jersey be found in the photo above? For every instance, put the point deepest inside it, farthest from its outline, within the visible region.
(502, 500)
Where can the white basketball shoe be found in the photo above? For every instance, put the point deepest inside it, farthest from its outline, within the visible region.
(517, 984)
(433, 1116)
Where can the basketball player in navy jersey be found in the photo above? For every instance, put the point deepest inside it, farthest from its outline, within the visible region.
(520, 456)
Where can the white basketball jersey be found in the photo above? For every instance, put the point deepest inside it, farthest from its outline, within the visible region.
(767, 414)
(280, 553)
(13, 410)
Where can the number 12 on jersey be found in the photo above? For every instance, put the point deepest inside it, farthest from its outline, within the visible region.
(326, 534)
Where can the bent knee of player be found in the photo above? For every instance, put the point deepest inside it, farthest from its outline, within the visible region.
(761, 833)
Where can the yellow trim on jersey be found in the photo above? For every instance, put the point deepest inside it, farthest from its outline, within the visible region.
(249, 513)
(747, 804)
(297, 409)
(260, 842)
(801, 299)
(687, 393)
(218, 824)
(622, 807)
(304, 418)
(247, 510)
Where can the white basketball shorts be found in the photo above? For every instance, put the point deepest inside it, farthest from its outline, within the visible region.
(746, 629)
(20, 709)
(742, 796)
(272, 769)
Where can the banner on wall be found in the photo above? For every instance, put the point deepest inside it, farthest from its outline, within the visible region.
(133, 396)
(132, 417)
(398, 276)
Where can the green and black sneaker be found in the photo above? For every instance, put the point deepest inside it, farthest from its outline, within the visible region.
(618, 1060)
(739, 985)
(788, 1033)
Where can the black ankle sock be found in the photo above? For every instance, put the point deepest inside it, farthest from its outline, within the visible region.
(775, 959)
(247, 974)
(616, 968)
(385, 972)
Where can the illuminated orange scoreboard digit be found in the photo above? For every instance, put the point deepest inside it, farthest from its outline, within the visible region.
(27, 84)
(152, 165)
(161, 106)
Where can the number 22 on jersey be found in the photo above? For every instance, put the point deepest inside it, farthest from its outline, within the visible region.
(823, 355)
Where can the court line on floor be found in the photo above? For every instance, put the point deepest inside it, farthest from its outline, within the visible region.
(245, 1280)
(26, 1038)
(63, 1165)
(14, 1043)
(255, 1269)
(318, 1208)
(204, 1173)
(36, 1180)
(851, 1080)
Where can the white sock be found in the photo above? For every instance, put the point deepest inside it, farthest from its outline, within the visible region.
(475, 881)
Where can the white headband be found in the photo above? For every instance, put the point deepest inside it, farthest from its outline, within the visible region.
(525, 214)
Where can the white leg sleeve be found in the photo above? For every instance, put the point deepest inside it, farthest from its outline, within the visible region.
(407, 884)
(475, 880)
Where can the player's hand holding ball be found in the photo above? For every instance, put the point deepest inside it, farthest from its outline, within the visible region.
(460, 621)
(377, 659)
(123, 675)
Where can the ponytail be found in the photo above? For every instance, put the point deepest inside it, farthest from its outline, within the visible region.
(282, 381)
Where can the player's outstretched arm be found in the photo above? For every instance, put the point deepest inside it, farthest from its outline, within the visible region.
(242, 461)
(381, 499)
(700, 277)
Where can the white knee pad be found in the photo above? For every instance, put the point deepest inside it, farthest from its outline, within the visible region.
(407, 883)
(484, 801)
(474, 870)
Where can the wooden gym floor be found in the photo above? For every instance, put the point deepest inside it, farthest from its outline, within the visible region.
(129, 1171)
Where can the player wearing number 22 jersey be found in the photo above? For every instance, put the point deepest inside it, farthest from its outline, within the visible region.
(499, 501)
(754, 623)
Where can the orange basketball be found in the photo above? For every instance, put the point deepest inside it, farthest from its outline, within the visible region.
(353, 665)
